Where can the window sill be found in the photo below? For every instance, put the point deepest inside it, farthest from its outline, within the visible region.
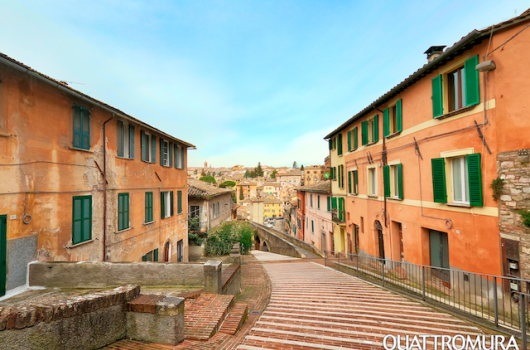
(455, 112)
(460, 205)
(372, 196)
(393, 135)
(79, 149)
(2, 134)
(394, 198)
(124, 158)
(148, 223)
(80, 244)
(124, 230)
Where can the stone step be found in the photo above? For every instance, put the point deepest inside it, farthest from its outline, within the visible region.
(203, 316)
(235, 319)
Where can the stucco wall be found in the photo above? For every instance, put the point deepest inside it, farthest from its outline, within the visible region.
(321, 219)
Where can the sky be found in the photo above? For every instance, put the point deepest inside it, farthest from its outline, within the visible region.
(244, 81)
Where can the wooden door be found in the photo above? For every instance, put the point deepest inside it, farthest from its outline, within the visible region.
(3, 254)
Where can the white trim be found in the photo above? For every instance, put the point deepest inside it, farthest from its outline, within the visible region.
(458, 152)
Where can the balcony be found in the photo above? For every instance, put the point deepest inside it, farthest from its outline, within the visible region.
(338, 217)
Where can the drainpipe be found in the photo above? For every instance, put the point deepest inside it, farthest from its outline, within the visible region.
(105, 188)
(384, 161)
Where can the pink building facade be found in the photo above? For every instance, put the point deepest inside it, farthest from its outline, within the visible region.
(318, 225)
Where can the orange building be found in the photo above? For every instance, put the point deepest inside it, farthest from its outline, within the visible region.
(81, 180)
(417, 171)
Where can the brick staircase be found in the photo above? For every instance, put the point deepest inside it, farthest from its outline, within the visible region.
(235, 319)
(203, 316)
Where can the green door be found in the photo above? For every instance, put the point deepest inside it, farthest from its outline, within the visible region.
(439, 251)
(3, 253)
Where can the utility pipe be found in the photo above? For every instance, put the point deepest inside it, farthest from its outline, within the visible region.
(105, 188)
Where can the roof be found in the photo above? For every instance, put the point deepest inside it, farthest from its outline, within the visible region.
(474, 38)
(289, 173)
(272, 201)
(321, 187)
(247, 183)
(63, 86)
(201, 189)
(274, 184)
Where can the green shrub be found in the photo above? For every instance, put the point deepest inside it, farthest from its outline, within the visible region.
(209, 179)
(227, 184)
(496, 186)
(222, 238)
(526, 217)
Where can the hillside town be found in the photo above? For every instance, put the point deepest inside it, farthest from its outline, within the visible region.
(416, 222)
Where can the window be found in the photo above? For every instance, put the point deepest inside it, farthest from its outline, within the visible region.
(195, 211)
(123, 211)
(370, 130)
(353, 182)
(125, 140)
(339, 146)
(341, 176)
(393, 181)
(81, 219)
(180, 251)
(464, 177)
(372, 181)
(165, 153)
(81, 127)
(148, 145)
(311, 200)
(312, 226)
(166, 204)
(318, 201)
(352, 146)
(460, 86)
(149, 207)
(393, 119)
(329, 203)
(151, 256)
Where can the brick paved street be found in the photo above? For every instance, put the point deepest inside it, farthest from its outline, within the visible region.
(314, 307)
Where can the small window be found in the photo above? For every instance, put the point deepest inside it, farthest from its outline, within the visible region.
(311, 200)
(148, 145)
(166, 204)
(125, 140)
(81, 127)
(151, 256)
(372, 181)
(194, 211)
(457, 89)
(81, 219)
(164, 152)
(393, 119)
(393, 181)
(459, 179)
(353, 182)
(180, 251)
(370, 130)
(123, 211)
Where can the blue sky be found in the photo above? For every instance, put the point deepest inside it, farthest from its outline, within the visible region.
(245, 81)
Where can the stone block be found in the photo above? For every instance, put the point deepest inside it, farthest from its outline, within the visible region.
(511, 204)
(213, 277)
(525, 179)
(506, 198)
(507, 164)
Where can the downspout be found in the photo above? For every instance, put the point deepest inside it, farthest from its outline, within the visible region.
(105, 187)
(384, 161)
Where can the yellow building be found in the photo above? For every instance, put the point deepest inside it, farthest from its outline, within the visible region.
(272, 208)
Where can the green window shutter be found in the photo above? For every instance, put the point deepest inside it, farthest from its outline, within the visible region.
(161, 152)
(179, 194)
(364, 132)
(182, 157)
(342, 176)
(312, 226)
(123, 211)
(355, 138)
(437, 97)
(399, 169)
(339, 140)
(329, 203)
(334, 143)
(162, 205)
(386, 123)
(334, 203)
(438, 180)
(386, 180)
(318, 201)
(126, 216)
(171, 201)
(474, 174)
(144, 257)
(120, 212)
(376, 128)
(81, 219)
(341, 208)
(331, 173)
(131, 141)
(349, 182)
(85, 114)
(472, 81)
(170, 154)
(330, 141)
(148, 206)
(120, 138)
(155, 254)
(176, 152)
(356, 182)
(144, 145)
(153, 149)
(349, 141)
(77, 127)
(399, 116)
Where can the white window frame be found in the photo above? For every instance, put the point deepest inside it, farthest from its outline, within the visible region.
(167, 200)
(370, 129)
(394, 184)
(166, 154)
(149, 147)
(371, 182)
(463, 178)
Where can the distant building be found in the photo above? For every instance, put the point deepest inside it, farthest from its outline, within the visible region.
(318, 224)
(293, 178)
(211, 204)
(272, 208)
(313, 174)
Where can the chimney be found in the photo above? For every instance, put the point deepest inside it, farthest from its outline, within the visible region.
(433, 52)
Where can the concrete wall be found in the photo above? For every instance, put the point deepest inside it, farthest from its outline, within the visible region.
(98, 274)
(20, 251)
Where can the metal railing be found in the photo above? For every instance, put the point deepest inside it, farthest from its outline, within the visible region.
(495, 299)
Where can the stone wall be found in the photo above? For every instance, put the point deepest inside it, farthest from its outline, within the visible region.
(107, 274)
(514, 168)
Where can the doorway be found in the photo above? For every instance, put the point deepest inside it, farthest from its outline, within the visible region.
(439, 254)
(356, 238)
(380, 239)
(323, 241)
(180, 251)
(3, 254)
(167, 251)
(257, 243)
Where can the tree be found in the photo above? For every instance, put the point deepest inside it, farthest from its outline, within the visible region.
(302, 167)
(273, 175)
(258, 170)
(208, 174)
(252, 174)
(241, 197)
(203, 173)
(247, 174)
(209, 179)
(295, 165)
(196, 171)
